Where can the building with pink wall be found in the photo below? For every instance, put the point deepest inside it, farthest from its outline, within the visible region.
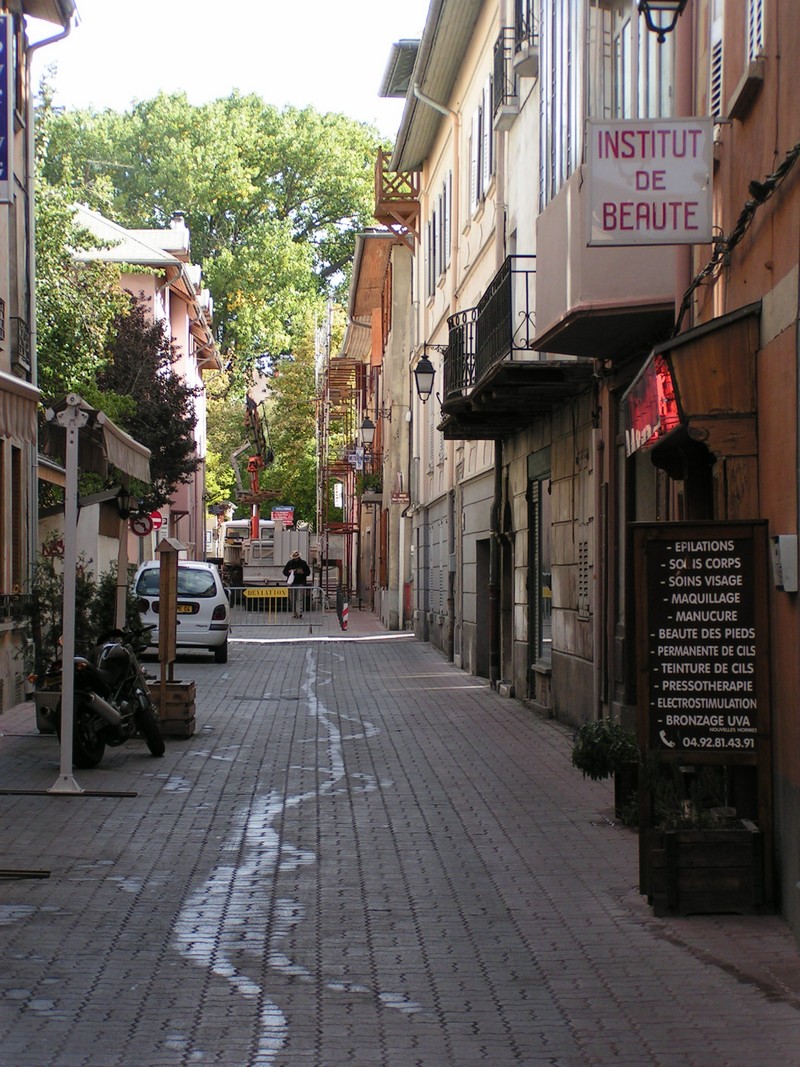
(171, 286)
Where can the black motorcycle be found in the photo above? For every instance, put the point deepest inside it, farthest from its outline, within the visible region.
(112, 703)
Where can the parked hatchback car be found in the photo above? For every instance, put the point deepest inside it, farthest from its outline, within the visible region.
(203, 609)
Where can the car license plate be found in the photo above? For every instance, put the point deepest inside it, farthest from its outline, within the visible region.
(187, 609)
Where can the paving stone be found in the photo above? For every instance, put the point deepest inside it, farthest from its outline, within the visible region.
(363, 856)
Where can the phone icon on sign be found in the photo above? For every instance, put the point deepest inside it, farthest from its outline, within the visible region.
(666, 740)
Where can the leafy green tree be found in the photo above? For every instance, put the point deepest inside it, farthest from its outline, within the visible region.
(291, 409)
(76, 304)
(159, 407)
(273, 199)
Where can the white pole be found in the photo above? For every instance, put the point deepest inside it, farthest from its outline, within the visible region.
(72, 418)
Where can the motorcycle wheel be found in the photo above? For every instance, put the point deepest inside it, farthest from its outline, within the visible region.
(147, 725)
(87, 747)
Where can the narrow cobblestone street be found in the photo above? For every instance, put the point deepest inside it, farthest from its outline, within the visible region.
(364, 856)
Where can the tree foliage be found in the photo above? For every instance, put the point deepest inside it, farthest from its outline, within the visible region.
(273, 199)
(76, 304)
(291, 410)
(160, 413)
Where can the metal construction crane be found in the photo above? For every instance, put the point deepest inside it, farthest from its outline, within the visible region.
(259, 456)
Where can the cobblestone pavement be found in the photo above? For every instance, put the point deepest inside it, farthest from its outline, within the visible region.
(363, 856)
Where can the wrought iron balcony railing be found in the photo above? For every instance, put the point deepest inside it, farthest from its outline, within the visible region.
(525, 24)
(501, 327)
(505, 85)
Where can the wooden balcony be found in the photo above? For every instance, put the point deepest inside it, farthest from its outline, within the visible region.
(397, 200)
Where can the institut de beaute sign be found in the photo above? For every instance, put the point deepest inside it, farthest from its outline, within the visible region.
(650, 181)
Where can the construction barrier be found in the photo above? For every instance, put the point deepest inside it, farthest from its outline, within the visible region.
(281, 607)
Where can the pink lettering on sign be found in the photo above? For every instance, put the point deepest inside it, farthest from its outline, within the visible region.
(668, 143)
(649, 215)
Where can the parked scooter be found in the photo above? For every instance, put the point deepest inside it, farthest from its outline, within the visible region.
(112, 703)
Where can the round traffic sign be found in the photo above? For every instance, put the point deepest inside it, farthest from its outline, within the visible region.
(141, 525)
(158, 519)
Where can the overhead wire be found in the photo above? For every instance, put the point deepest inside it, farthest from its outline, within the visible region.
(760, 192)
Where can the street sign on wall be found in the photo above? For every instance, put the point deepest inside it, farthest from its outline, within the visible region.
(650, 181)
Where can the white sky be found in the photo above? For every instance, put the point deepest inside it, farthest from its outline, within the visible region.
(330, 55)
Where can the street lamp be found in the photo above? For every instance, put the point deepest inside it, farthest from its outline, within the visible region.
(125, 502)
(424, 374)
(661, 16)
(367, 431)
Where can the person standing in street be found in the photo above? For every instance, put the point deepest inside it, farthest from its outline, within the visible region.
(297, 572)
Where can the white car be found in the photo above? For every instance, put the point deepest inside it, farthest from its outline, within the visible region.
(203, 609)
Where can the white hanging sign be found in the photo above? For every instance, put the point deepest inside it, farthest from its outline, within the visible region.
(650, 181)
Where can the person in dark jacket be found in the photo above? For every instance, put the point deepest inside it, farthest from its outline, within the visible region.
(300, 572)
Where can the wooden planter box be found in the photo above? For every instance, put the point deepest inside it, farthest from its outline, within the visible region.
(177, 717)
(707, 872)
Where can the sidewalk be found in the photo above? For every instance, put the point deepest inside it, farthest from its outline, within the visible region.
(364, 856)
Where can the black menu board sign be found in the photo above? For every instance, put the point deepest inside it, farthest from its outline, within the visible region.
(702, 637)
(702, 644)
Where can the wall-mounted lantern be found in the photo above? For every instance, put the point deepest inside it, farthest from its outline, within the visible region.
(367, 431)
(661, 16)
(424, 375)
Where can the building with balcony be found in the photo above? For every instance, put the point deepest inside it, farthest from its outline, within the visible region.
(19, 395)
(590, 383)
(171, 287)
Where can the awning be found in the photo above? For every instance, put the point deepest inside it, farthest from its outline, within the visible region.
(123, 451)
(18, 400)
(101, 442)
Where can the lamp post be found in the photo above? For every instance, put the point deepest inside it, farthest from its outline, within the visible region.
(661, 16)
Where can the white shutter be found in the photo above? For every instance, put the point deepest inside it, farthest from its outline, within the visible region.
(448, 218)
(715, 72)
(474, 158)
(755, 29)
(487, 132)
(428, 260)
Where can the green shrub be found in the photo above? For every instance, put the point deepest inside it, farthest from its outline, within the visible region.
(601, 747)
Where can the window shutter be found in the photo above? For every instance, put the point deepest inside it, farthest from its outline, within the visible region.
(474, 156)
(448, 218)
(486, 148)
(715, 77)
(755, 29)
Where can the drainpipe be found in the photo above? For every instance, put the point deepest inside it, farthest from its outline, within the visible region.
(418, 93)
(494, 568)
(599, 598)
(455, 227)
(33, 486)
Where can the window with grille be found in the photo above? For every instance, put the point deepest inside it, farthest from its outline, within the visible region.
(17, 519)
(584, 579)
(540, 581)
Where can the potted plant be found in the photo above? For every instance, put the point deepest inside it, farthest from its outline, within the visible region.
(39, 616)
(604, 748)
(371, 486)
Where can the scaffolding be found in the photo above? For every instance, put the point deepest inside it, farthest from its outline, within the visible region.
(340, 382)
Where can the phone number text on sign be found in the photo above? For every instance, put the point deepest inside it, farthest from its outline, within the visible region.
(702, 644)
